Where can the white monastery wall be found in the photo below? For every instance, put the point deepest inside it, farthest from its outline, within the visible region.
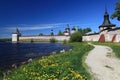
(108, 37)
(59, 38)
(86, 38)
(91, 38)
(117, 38)
(95, 37)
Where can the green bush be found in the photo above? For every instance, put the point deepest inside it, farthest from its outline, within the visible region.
(31, 40)
(53, 40)
(65, 41)
(76, 37)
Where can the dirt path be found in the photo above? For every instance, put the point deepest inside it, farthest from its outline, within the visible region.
(103, 64)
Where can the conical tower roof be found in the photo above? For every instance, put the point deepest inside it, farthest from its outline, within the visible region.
(17, 31)
(106, 22)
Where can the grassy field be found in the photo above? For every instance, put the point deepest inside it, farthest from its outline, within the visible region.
(61, 66)
(114, 46)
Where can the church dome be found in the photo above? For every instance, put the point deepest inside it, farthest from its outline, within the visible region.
(73, 28)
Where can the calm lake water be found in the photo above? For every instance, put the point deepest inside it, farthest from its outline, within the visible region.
(11, 53)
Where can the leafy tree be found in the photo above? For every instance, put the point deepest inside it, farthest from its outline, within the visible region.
(60, 32)
(84, 31)
(76, 37)
(116, 14)
(41, 34)
(80, 30)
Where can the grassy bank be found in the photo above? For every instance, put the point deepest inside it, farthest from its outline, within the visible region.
(61, 66)
(6, 39)
(114, 46)
(0, 75)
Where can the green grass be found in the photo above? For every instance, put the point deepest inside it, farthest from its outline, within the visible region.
(0, 75)
(6, 39)
(61, 66)
(114, 46)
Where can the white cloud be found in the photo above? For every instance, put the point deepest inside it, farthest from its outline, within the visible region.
(36, 27)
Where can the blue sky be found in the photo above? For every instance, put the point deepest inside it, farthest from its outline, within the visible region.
(40, 16)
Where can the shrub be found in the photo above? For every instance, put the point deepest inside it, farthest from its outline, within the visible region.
(76, 37)
(53, 40)
(65, 41)
(31, 40)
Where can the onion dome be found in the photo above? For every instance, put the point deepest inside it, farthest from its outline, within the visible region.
(73, 28)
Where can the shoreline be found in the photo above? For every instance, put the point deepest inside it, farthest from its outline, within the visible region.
(6, 71)
(67, 61)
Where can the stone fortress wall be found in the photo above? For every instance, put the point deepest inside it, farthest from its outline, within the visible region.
(16, 36)
(108, 32)
(44, 38)
(111, 36)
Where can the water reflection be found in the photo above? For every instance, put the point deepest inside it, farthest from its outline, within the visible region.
(14, 53)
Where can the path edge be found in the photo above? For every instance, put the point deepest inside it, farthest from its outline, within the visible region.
(84, 64)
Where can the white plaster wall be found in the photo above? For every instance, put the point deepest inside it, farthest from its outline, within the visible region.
(108, 37)
(111, 37)
(112, 32)
(117, 38)
(66, 34)
(91, 38)
(104, 32)
(14, 38)
(85, 38)
(118, 32)
(95, 37)
(59, 38)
